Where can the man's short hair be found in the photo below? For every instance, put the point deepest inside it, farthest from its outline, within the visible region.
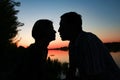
(73, 17)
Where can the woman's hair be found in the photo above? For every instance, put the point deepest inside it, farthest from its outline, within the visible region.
(41, 28)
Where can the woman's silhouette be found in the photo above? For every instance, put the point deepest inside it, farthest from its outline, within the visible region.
(35, 60)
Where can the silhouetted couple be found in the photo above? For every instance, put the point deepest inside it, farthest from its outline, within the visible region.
(88, 57)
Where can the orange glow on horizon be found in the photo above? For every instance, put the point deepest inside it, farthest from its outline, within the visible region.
(52, 44)
(59, 43)
(107, 40)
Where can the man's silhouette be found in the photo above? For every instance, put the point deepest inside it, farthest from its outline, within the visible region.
(43, 33)
(87, 53)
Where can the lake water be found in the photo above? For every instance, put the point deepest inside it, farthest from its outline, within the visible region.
(62, 56)
(116, 57)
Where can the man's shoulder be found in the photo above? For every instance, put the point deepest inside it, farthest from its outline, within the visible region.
(85, 35)
(90, 35)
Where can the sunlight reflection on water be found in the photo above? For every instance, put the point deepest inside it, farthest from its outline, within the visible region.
(116, 57)
(62, 56)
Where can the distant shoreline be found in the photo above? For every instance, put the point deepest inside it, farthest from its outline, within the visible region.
(112, 47)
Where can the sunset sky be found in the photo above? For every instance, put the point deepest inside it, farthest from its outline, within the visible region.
(101, 17)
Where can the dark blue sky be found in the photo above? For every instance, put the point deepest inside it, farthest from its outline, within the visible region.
(101, 17)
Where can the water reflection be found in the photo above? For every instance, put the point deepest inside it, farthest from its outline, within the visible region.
(116, 57)
(62, 56)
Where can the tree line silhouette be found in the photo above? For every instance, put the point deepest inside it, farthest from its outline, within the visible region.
(113, 46)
